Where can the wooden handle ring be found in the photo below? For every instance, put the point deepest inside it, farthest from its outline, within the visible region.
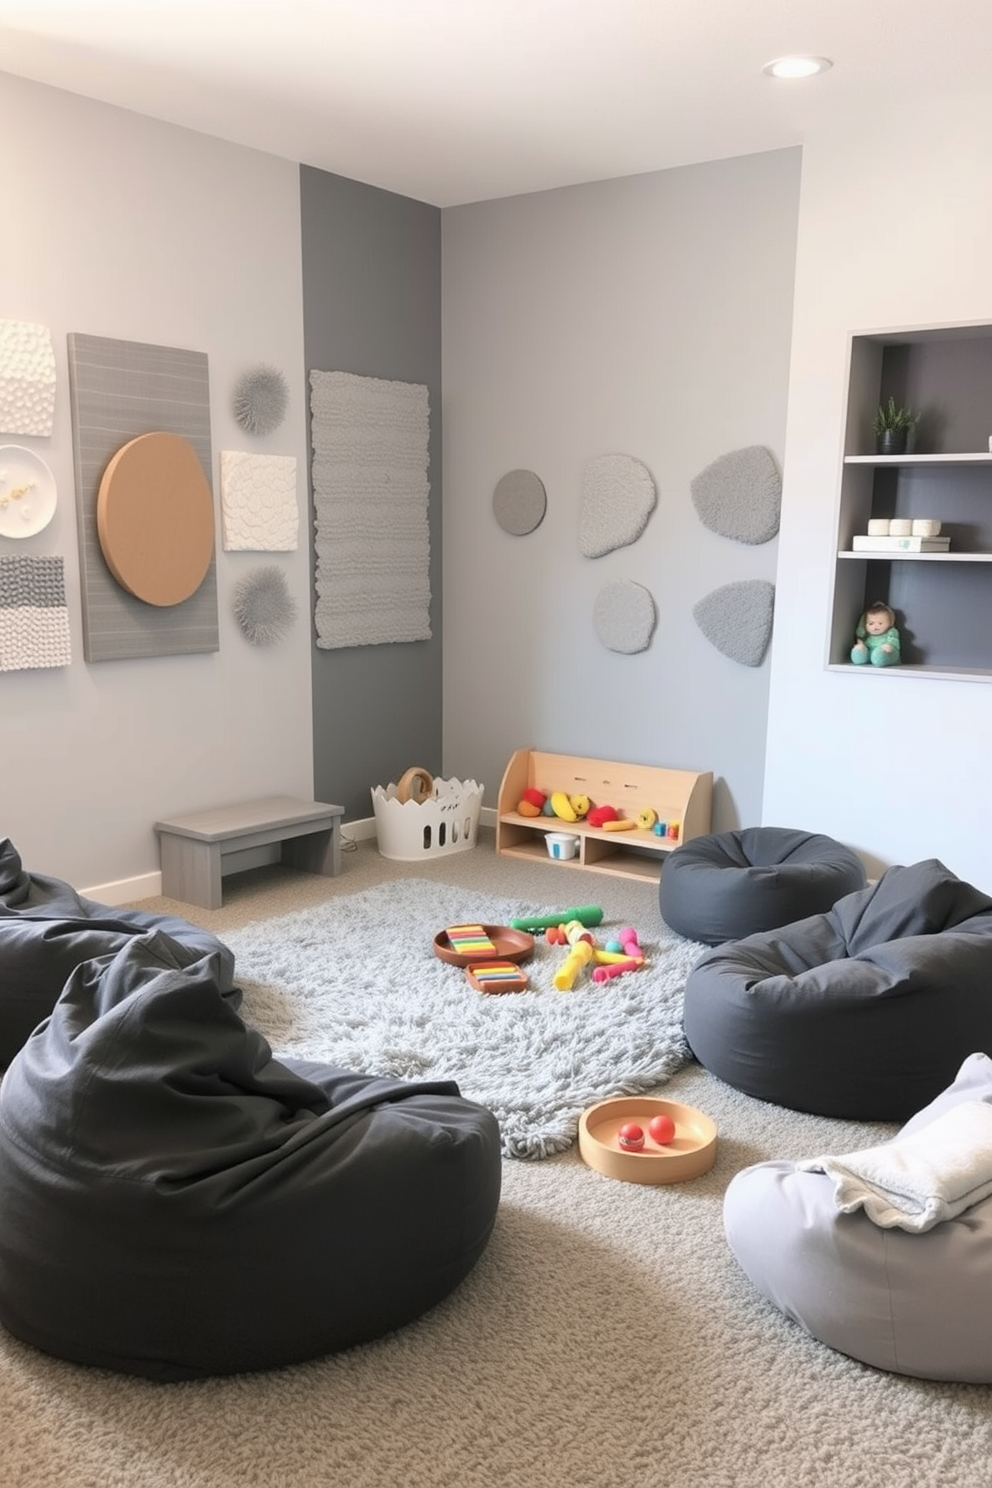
(415, 785)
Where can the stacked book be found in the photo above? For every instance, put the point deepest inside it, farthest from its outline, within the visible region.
(872, 544)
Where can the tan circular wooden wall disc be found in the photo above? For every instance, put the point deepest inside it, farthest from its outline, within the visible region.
(155, 519)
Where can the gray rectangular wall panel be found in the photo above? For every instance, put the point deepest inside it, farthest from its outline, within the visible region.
(372, 307)
(118, 390)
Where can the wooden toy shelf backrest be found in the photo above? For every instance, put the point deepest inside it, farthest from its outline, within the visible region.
(673, 794)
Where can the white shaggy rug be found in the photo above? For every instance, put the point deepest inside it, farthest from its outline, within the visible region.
(355, 982)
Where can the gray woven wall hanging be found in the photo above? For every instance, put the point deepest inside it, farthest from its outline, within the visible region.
(618, 496)
(740, 495)
(624, 616)
(737, 619)
(371, 492)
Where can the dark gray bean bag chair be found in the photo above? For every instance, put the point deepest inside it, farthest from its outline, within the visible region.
(864, 1012)
(916, 1304)
(176, 1203)
(47, 930)
(731, 884)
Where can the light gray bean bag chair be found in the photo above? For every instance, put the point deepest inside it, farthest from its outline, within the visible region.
(731, 884)
(47, 930)
(175, 1202)
(916, 1304)
(865, 1012)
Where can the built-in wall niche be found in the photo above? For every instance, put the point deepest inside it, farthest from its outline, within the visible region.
(942, 600)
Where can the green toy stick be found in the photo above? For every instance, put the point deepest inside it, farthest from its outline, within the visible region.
(587, 915)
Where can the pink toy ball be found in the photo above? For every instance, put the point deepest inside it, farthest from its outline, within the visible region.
(631, 1137)
(661, 1129)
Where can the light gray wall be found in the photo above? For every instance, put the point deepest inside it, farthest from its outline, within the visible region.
(372, 306)
(899, 771)
(649, 316)
(119, 226)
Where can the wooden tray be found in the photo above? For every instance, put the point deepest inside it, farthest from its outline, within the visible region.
(496, 977)
(511, 945)
(691, 1152)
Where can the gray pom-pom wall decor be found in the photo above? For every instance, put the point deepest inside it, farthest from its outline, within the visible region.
(260, 400)
(263, 606)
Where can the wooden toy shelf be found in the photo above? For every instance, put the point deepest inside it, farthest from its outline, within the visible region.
(684, 796)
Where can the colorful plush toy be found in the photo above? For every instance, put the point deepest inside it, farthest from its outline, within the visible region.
(532, 801)
(600, 815)
(877, 640)
(562, 807)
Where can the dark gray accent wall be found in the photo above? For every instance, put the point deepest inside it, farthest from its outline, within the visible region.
(372, 306)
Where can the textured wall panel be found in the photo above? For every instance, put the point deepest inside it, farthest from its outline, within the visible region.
(118, 390)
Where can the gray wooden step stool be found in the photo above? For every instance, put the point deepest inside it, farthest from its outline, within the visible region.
(192, 848)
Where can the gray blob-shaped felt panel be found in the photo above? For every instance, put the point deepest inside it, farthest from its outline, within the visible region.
(624, 616)
(740, 495)
(737, 619)
(519, 502)
(618, 496)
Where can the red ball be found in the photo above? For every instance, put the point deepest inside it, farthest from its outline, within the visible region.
(631, 1137)
(662, 1129)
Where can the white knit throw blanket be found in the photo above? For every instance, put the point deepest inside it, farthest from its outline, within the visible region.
(915, 1182)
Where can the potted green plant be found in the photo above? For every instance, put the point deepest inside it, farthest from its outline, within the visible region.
(894, 428)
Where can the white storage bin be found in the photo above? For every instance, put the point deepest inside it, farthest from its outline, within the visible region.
(447, 822)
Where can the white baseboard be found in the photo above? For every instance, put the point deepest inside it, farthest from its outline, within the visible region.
(358, 831)
(126, 890)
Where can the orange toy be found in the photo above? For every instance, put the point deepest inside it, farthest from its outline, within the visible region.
(532, 801)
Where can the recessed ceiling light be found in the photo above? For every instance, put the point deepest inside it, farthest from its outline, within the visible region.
(796, 67)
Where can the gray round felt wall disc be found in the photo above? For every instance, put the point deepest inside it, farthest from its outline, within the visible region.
(618, 496)
(519, 502)
(740, 495)
(737, 619)
(624, 616)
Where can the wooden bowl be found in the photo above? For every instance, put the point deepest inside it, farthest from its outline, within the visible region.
(511, 945)
(691, 1152)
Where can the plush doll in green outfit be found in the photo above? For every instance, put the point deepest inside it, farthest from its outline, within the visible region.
(877, 637)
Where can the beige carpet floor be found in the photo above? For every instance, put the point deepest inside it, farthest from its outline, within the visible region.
(607, 1338)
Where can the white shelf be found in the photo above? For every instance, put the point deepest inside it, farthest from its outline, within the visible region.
(944, 614)
(977, 457)
(897, 557)
(913, 669)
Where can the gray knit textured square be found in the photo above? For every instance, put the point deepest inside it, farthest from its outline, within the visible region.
(618, 496)
(519, 502)
(624, 616)
(737, 619)
(740, 495)
(34, 617)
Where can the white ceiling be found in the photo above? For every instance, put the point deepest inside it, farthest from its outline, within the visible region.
(451, 101)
